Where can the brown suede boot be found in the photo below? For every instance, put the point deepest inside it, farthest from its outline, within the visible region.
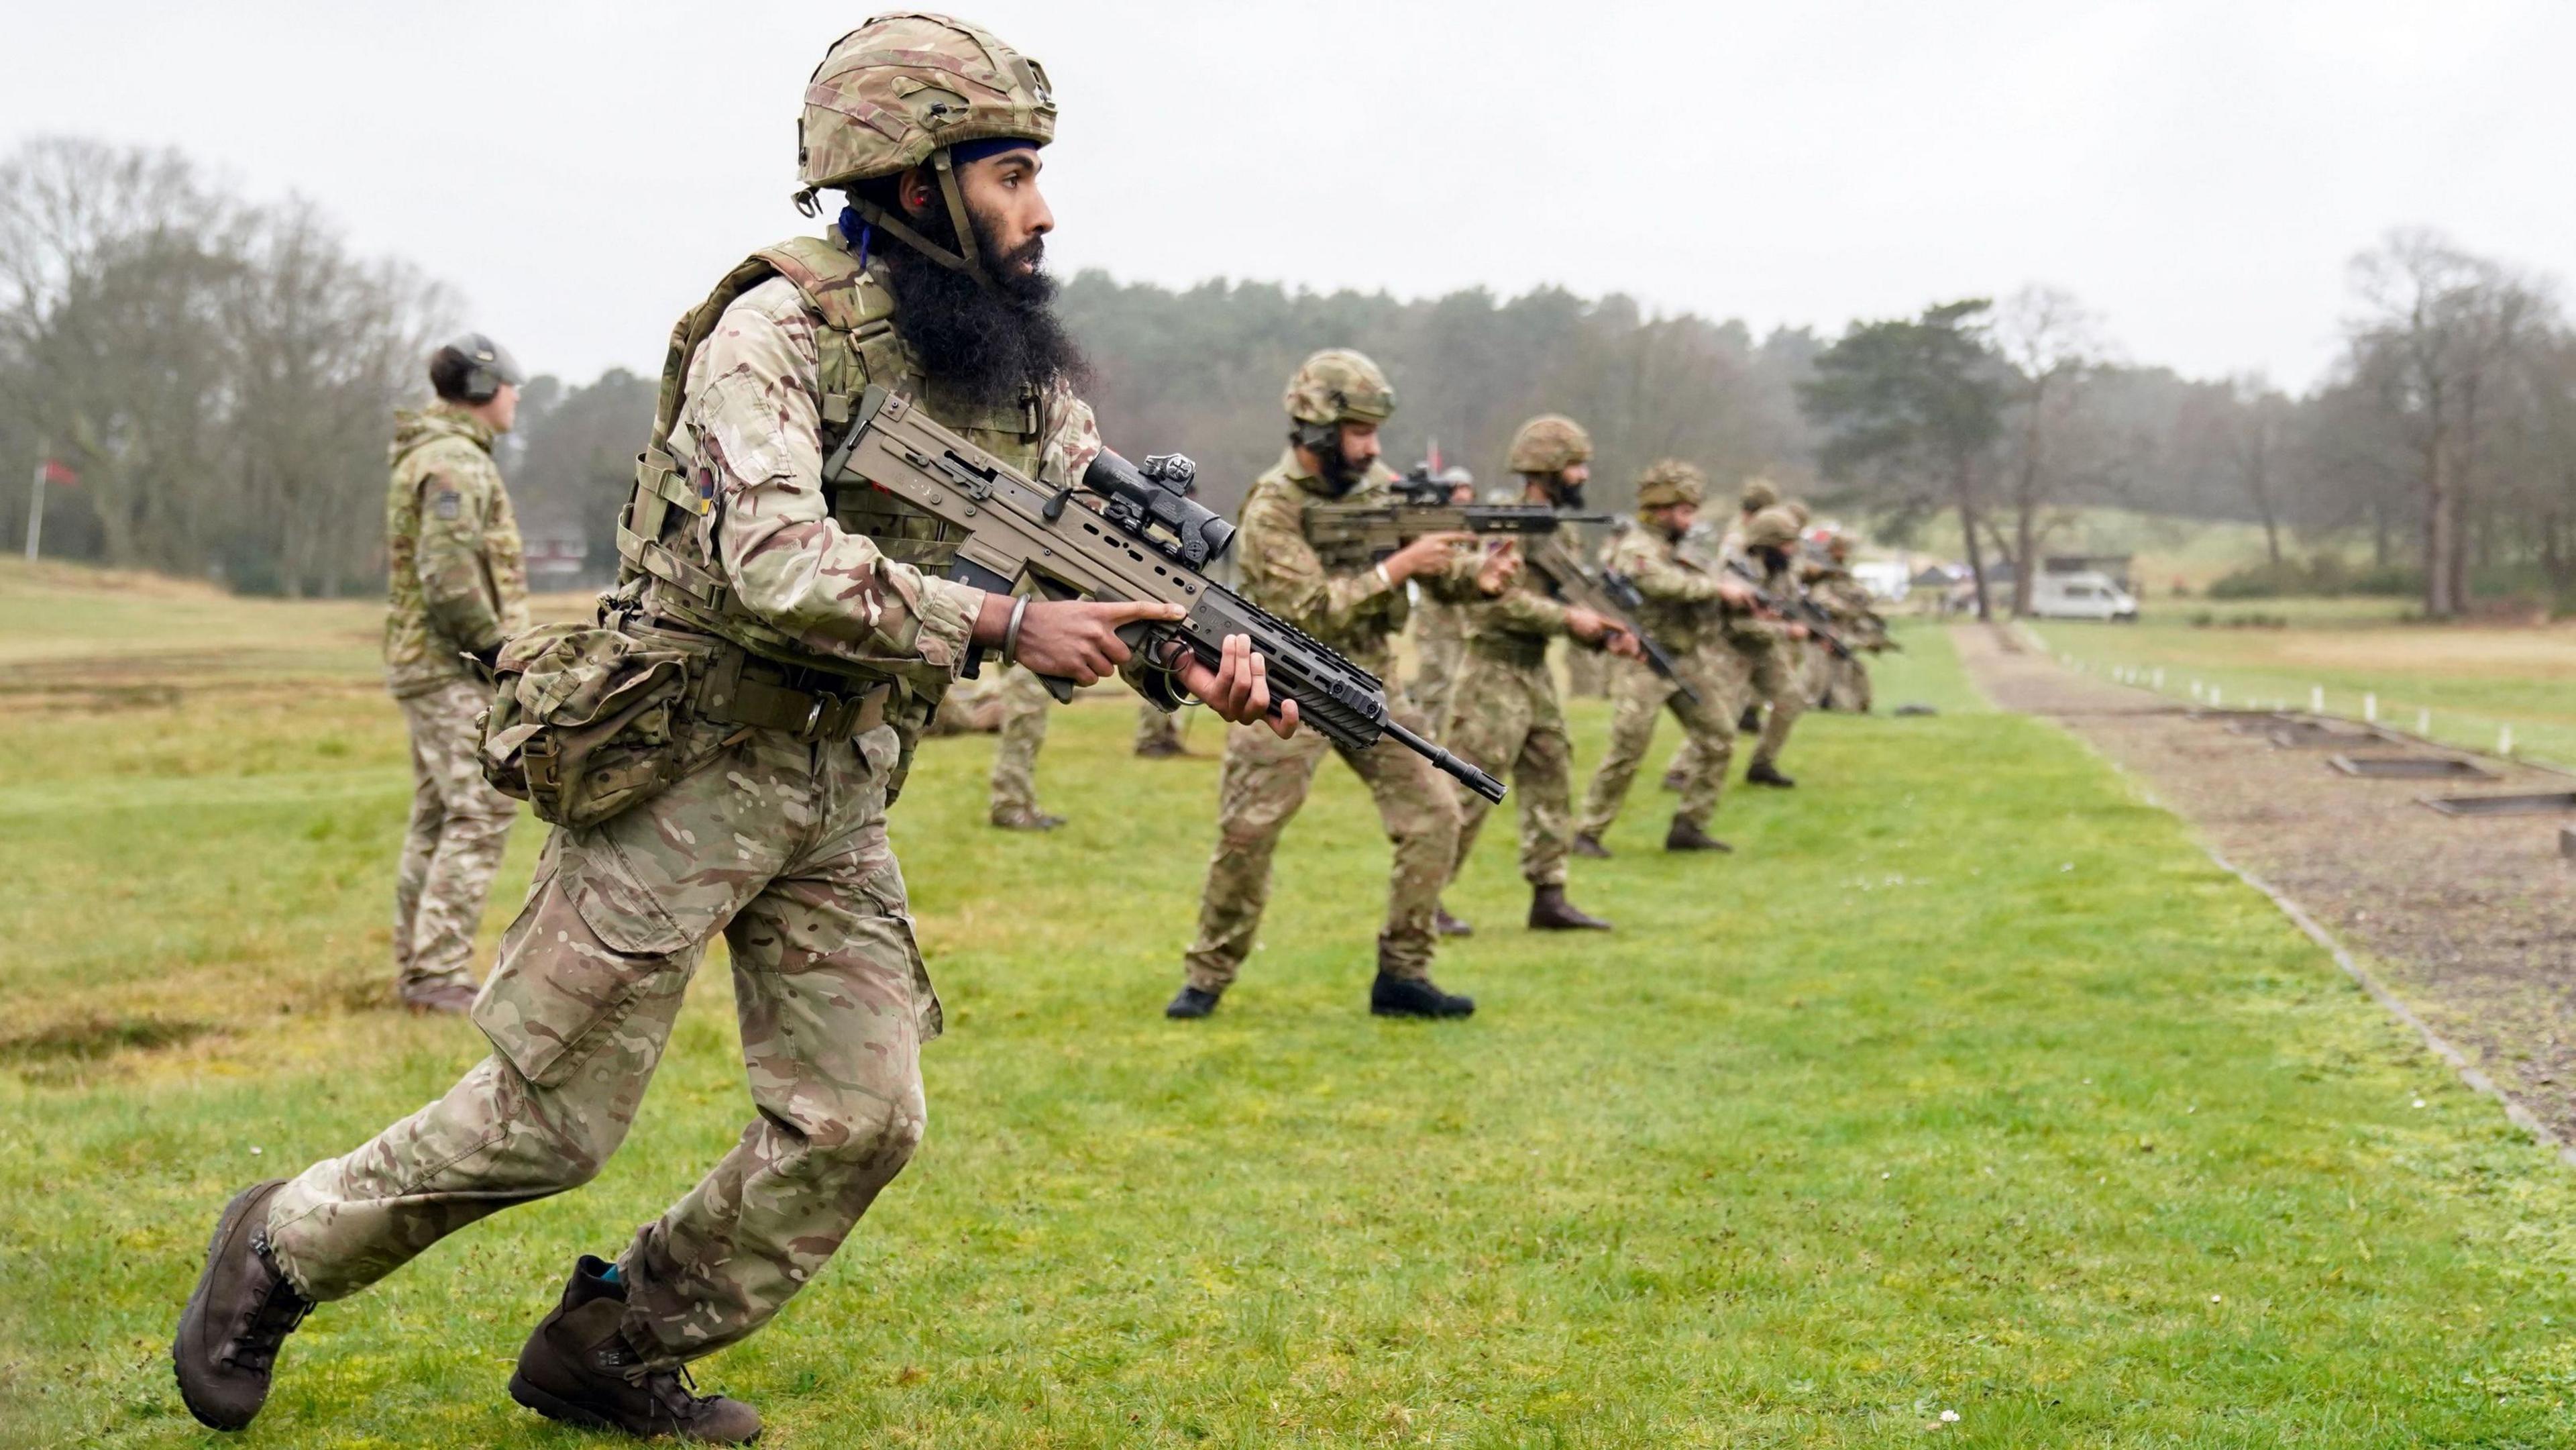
(242, 1311)
(1686, 837)
(580, 1368)
(1550, 911)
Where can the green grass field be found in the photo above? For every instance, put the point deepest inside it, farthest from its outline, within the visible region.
(2164, 550)
(2467, 683)
(1968, 1086)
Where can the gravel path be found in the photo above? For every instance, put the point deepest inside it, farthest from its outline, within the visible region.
(2470, 921)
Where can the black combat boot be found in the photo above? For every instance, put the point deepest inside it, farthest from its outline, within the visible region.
(1749, 721)
(580, 1368)
(1415, 997)
(1763, 772)
(1674, 779)
(1162, 750)
(1589, 845)
(1686, 837)
(242, 1311)
(1026, 820)
(1447, 925)
(1192, 1003)
(1550, 911)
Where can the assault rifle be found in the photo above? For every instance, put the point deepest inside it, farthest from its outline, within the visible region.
(1795, 606)
(1134, 534)
(1423, 507)
(1612, 597)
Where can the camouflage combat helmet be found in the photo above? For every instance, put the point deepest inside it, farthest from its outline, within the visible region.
(899, 92)
(1772, 528)
(1338, 385)
(1759, 493)
(1549, 443)
(1798, 510)
(1671, 481)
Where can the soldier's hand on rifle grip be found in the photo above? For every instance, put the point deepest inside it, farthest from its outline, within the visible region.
(1074, 639)
(1624, 644)
(1736, 592)
(1587, 626)
(1429, 552)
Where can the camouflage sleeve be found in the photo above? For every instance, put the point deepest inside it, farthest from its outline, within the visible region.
(750, 428)
(1454, 582)
(1290, 577)
(1524, 610)
(1658, 577)
(456, 494)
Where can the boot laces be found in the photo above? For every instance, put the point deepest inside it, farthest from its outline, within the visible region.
(277, 1314)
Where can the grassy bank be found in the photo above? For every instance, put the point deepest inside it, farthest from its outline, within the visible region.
(1967, 1086)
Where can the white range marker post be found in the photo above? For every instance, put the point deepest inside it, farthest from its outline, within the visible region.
(2370, 709)
(2160, 677)
(2424, 722)
(2316, 699)
(2213, 697)
(2504, 742)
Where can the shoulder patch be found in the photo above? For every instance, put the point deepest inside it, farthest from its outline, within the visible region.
(448, 503)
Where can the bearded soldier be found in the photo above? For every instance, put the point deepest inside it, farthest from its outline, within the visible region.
(455, 587)
(1685, 607)
(1505, 715)
(1335, 403)
(1024, 702)
(818, 638)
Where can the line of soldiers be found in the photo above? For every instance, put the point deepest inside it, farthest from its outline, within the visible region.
(718, 752)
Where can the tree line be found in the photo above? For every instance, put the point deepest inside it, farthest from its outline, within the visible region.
(221, 375)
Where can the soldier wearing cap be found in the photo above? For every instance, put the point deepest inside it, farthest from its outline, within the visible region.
(1504, 715)
(1335, 402)
(820, 636)
(1686, 607)
(456, 587)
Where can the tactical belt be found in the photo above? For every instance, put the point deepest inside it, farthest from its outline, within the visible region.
(742, 689)
(1511, 649)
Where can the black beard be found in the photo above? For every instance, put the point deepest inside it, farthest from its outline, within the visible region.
(984, 346)
(1340, 474)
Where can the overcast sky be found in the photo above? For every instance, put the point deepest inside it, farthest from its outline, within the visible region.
(2196, 173)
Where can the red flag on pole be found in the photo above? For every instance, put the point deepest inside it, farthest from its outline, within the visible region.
(57, 471)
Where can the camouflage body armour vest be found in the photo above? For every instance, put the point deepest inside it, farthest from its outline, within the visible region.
(664, 570)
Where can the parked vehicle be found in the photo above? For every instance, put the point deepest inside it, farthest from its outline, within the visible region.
(2082, 595)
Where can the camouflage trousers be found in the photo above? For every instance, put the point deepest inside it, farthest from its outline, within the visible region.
(781, 845)
(1815, 674)
(1157, 731)
(459, 827)
(1770, 677)
(1848, 685)
(1778, 683)
(1435, 669)
(1263, 782)
(1024, 701)
(1639, 697)
(1505, 718)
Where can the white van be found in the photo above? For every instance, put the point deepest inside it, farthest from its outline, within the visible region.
(2087, 595)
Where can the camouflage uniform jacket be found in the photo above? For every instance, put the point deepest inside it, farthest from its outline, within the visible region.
(1682, 608)
(1519, 622)
(1346, 603)
(454, 576)
(1849, 602)
(1753, 632)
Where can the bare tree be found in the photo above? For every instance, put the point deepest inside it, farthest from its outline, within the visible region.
(2440, 328)
(2055, 350)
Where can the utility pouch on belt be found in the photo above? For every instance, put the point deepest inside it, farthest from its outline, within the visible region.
(585, 722)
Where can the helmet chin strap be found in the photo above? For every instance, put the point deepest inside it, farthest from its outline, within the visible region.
(964, 258)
